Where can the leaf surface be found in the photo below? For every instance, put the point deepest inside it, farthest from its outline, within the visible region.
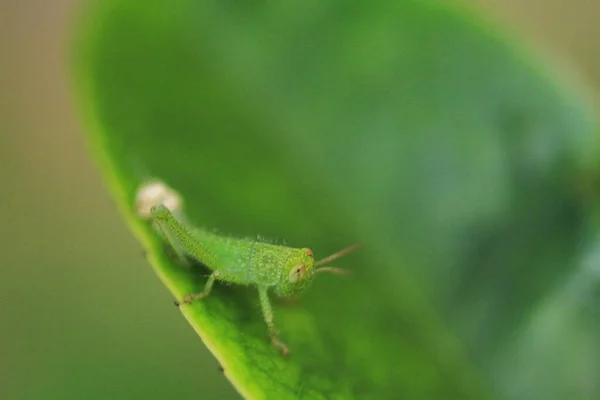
(465, 170)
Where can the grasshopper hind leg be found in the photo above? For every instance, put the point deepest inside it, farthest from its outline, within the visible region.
(171, 246)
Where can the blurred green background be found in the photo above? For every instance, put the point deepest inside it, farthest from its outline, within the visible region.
(82, 314)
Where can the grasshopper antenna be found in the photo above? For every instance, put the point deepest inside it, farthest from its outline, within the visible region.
(335, 256)
(333, 270)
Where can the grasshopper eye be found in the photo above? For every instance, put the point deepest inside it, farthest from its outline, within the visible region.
(297, 273)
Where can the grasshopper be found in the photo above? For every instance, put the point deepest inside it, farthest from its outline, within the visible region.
(282, 270)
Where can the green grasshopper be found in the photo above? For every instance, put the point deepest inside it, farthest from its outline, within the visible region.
(283, 270)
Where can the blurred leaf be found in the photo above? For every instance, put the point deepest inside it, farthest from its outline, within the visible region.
(466, 172)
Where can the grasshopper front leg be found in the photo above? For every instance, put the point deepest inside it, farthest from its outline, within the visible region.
(267, 311)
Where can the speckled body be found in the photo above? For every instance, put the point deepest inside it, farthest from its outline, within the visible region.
(284, 270)
(281, 270)
(246, 261)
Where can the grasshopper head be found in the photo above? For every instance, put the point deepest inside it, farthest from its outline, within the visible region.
(297, 273)
(301, 268)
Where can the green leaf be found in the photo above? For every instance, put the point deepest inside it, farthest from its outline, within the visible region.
(466, 171)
